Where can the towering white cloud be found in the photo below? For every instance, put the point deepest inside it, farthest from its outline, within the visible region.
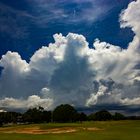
(68, 71)
(131, 18)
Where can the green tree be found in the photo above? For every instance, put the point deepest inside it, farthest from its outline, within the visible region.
(64, 113)
(47, 116)
(118, 116)
(9, 117)
(37, 115)
(102, 115)
(81, 117)
(33, 115)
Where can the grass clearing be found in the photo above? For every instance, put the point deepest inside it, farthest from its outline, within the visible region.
(109, 130)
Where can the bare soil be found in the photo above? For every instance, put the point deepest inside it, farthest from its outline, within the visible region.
(37, 130)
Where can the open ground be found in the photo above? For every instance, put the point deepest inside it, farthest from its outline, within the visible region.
(105, 130)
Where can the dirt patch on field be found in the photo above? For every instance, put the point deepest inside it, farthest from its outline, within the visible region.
(94, 129)
(37, 130)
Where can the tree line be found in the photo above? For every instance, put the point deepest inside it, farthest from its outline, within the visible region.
(62, 114)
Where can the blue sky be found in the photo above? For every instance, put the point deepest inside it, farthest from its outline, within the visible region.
(82, 52)
(27, 25)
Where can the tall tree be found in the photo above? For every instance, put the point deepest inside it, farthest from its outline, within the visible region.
(102, 115)
(64, 113)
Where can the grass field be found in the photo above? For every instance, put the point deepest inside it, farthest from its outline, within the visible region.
(111, 130)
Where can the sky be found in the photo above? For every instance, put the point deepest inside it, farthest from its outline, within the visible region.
(82, 52)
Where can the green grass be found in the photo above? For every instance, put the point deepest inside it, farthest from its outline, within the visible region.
(111, 130)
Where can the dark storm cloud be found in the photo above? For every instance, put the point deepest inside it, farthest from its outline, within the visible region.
(126, 110)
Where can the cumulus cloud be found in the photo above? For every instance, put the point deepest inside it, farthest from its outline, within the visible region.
(30, 102)
(131, 18)
(129, 101)
(68, 71)
(1, 110)
(94, 97)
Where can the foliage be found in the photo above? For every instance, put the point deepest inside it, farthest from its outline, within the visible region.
(37, 115)
(64, 113)
(118, 116)
(102, 115)
(9, 117)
